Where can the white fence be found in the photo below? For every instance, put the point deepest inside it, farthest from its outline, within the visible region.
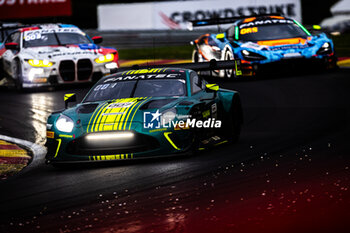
(174, 15)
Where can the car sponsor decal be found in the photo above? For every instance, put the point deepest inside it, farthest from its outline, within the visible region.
(115, 115)
(286, 47)
(32, 35)
(266, 22)
(249, 30)
(146, 76)
(121, 105)
(54, 30)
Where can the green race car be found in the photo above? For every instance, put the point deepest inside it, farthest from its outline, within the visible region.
(144, 113)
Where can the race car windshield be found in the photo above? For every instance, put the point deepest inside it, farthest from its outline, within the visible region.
(48, 39)
(137, 88)
(271, 32)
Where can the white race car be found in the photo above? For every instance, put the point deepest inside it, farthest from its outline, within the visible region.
(47, 55)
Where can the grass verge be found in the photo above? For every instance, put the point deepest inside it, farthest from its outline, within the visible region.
(171, 52)
(342, 48)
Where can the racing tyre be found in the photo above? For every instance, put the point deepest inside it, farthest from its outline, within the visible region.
(195, 56)
(232, 128)
(230, 73)
(18, 76)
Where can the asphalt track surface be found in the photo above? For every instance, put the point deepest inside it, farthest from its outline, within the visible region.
(288, 173)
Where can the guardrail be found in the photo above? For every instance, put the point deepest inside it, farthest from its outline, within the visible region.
(144, 39)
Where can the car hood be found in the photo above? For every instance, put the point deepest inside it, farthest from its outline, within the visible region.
(120, 114)
(286, 44)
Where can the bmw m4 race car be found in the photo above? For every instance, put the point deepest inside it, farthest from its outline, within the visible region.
(55, 54)
(261, 42)
(144, 113)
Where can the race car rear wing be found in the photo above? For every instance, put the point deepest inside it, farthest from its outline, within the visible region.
(217, 21)
(199, 66)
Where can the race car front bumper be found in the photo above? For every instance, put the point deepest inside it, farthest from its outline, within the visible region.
(102, 146)
(66, 72)
(288, 65)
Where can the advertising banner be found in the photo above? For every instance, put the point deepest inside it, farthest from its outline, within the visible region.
(20, 9)
(175, 15)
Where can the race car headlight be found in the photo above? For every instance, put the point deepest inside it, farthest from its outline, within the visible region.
(40, 63)
(105, 58)
(251, 56)
(168, 116)
(325, 49)
(64, 124)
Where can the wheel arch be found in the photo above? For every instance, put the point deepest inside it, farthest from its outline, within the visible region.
(229, 99)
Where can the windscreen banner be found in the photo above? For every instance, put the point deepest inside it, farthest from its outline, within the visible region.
(21, 9)
(176, 14)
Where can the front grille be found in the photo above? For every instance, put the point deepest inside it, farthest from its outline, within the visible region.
(140, 142)
(84, 69)
(67, 70)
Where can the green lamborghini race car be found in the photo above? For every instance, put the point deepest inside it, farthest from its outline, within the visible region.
(144, 113)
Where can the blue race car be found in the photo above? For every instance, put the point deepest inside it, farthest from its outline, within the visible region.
(268, 41)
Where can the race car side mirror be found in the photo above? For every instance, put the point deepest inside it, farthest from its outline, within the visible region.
(12, 46)
(97, 39)
(69, 98)
(211, 87)
(220, 36)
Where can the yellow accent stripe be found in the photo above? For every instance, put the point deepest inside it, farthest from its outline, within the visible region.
(65, 136)
(58, 147)
(120, 118)
(166, 135)
(97, 125)
(117, 120)
(124, 121)
(220, 143)
(93, 117)
(97, 116)
(103, 118)
(135, 113)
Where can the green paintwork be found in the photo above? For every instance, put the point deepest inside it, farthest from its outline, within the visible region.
(130, 118)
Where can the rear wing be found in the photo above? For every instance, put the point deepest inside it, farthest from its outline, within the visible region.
(199, 66)
(217, 21)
